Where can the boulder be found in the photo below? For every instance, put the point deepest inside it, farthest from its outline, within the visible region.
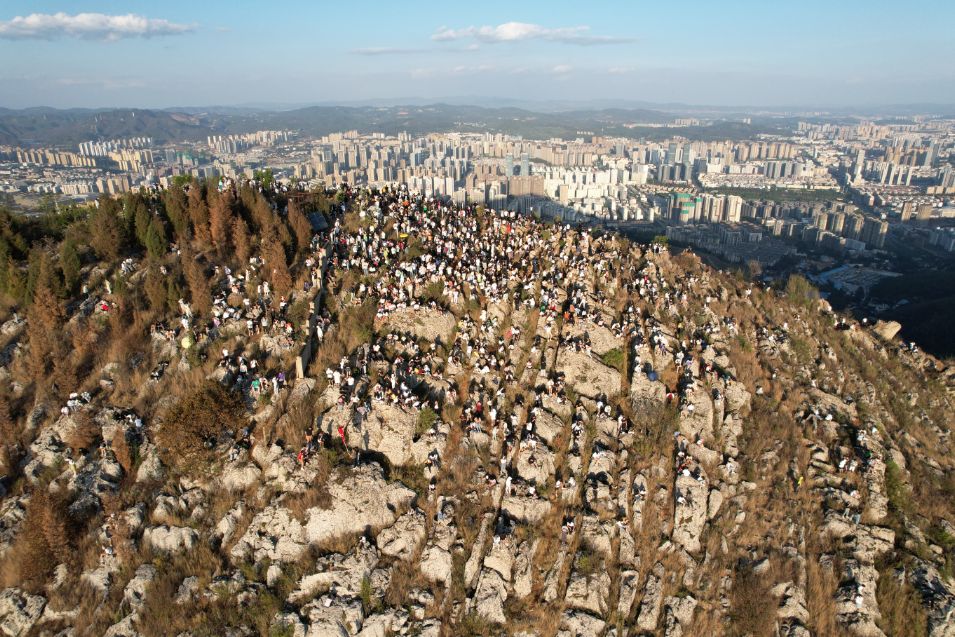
(489, 597)
(135, 592)
(679, 614)
(361, 499)
(887, 330)
(274, 534)
(587, 375)
(239, 476)
(402, 538)
(689, 514)
(170, 539)
(19, 611)
(651, 604)
(579, 624)
(589, 593)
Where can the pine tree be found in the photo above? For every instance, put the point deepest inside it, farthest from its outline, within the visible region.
(176, 210)
(199, 290)
(220, 221)
(106, 230)
(69, 264)
(155, 239)
(301, 227)
(199, 215)
(45, 319)
(276, 266)
(241, 241)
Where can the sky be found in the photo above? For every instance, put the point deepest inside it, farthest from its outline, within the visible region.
(807, 53)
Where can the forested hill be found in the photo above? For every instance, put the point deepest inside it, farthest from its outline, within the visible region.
(52, 127)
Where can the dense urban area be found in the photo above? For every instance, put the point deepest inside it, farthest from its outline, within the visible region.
(498, 319)
(864, 207)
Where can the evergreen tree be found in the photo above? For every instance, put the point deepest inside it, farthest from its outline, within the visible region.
(276, 265)
(199, 290)
(69, 264)
(176, 205)
(220, 221)
(45, 320)
(199, 215)
(242, 241)
(301, 227)
(155, 239)
(107, 236)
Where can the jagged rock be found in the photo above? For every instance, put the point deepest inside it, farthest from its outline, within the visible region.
(588, 376)
(736, 397)
(226, 527)
(389, 430)
(887, 330)
(938, 596)
(331, 616)
(239, 476)
(579, 624)
(472, 566)
(589, 593)
(402, 538)
(651, 604)
(436, 559)
(135, 592)
(527, 509)
(360, 499)
(123, 628)
(379, 625)
(523, 573)
(714, 503)
(170, 539)
(151, 468)
(344, 574)
(628, 592)
(436, 564)
(19, 611)
(690, 513)
(501, 559)
(424, 323)
(646, 392)
(273, 534)
(187, 589)
(489, 596)
(679, 614)
(288, 624)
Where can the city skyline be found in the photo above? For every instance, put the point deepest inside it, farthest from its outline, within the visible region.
(114, 54)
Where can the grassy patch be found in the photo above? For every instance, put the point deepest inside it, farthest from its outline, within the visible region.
(614, 358)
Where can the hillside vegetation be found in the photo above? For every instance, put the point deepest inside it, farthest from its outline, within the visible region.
(368, 413)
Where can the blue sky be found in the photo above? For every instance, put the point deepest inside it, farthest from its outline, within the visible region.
(211, 52)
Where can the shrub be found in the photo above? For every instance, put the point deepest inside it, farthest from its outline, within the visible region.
(426, 420)
(199, 418)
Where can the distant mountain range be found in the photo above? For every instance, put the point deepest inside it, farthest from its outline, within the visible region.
(52, 127)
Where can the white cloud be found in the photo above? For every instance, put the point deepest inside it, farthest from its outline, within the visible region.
(88, 26)
(562, 69)
(620, 70)
(522, 31)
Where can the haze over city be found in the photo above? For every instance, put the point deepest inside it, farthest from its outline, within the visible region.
(813, 53)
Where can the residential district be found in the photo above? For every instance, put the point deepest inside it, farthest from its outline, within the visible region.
(829, 191)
